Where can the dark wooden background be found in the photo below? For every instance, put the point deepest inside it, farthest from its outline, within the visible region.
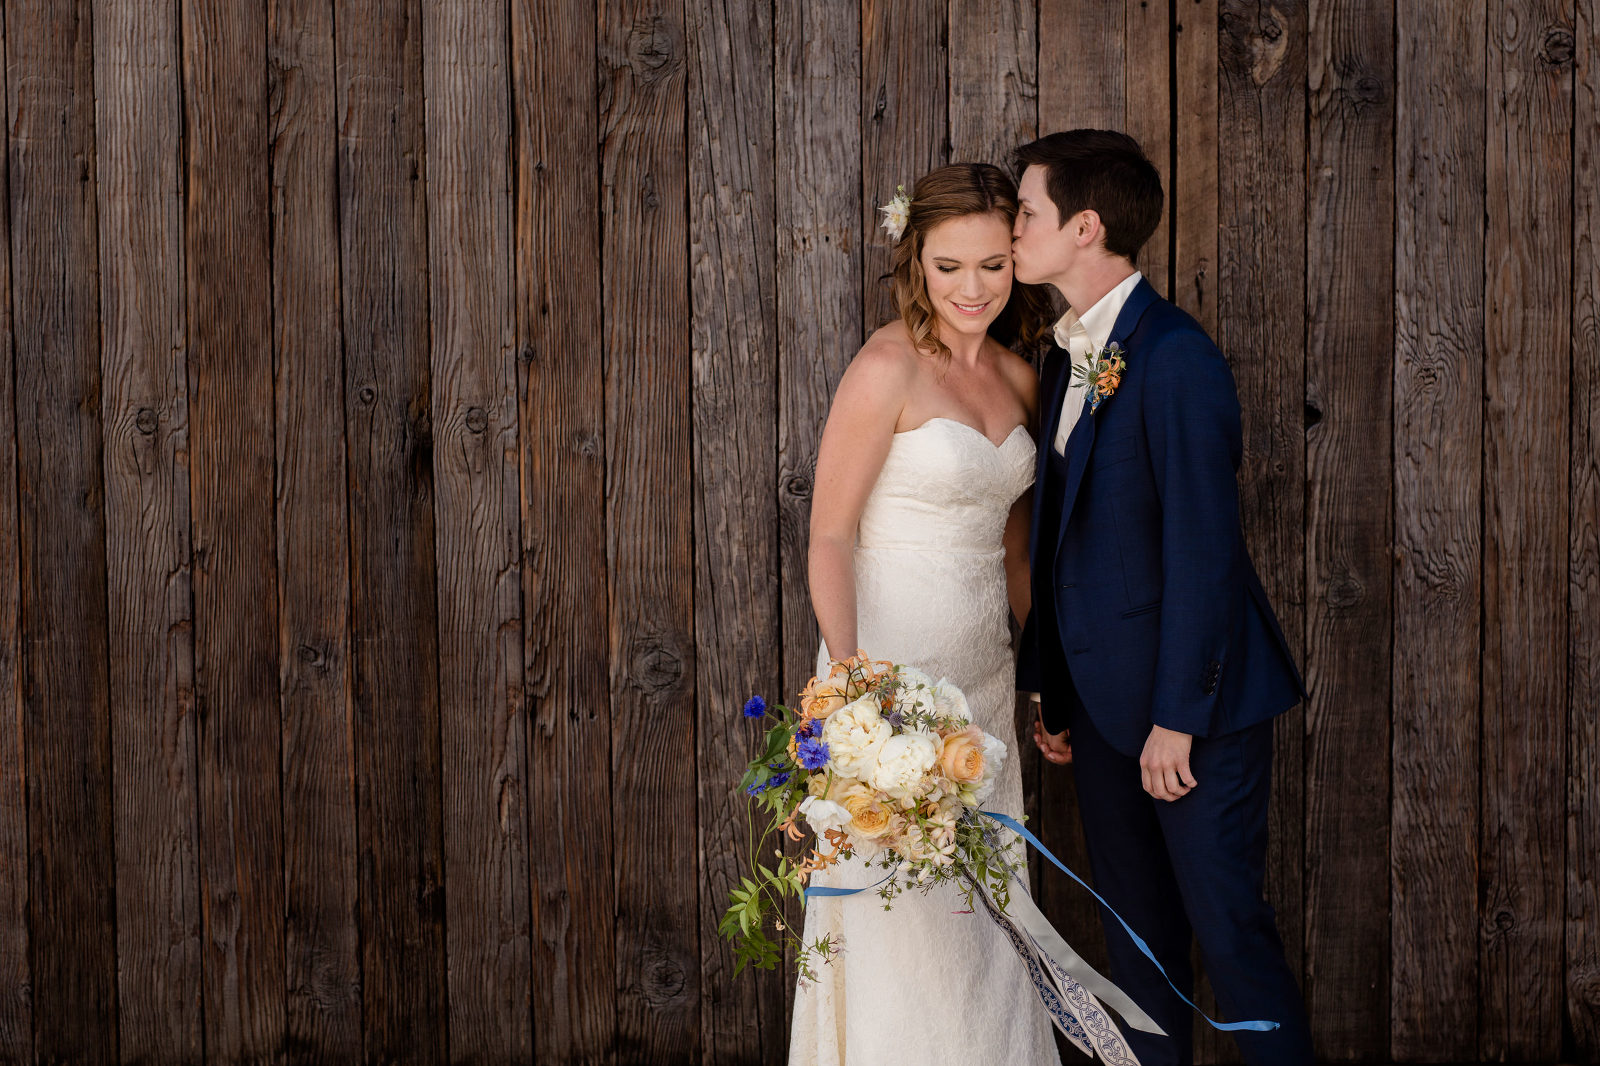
(405, 465)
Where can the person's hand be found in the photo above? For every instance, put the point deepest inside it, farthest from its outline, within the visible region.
(1056, 747)
(1164, 765)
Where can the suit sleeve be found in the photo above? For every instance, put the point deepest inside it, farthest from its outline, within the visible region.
(1193, 427)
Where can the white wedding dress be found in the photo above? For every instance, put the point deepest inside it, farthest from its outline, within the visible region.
(927, 982)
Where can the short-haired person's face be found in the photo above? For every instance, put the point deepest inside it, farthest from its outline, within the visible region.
(967, 264)
(1041, 249)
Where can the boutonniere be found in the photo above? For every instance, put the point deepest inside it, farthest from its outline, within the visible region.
(1101, 374)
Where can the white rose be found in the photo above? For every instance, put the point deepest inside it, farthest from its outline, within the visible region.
(824, 814)
(854, 733)
(916, 692)
(903, 763)
(994, 756)
(950, 702)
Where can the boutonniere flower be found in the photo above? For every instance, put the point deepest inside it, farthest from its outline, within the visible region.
(1101, 374)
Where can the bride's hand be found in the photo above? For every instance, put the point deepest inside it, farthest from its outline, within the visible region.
(1056, 747)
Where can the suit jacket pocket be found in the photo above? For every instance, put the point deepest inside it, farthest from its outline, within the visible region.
(1115, 451)
(1143, 608)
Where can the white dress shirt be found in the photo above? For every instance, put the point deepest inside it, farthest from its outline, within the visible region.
(1082, 336)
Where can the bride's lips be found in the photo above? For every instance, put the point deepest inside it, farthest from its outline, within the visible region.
(971, 310)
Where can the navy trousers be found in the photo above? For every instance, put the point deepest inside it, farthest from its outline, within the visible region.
(1196, 866)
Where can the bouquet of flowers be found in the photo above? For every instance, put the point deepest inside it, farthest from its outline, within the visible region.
(880, 762)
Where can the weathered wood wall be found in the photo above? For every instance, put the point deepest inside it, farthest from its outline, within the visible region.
(405, 460)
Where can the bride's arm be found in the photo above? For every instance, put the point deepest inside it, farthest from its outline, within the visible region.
(855, 441)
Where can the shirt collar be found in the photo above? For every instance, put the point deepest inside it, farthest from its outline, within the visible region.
(1096, 323)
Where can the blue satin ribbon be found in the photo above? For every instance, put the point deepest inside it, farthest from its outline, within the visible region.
(813, 891)
(1138, 941)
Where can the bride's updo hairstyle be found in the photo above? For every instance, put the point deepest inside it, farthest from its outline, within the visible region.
(951, 192)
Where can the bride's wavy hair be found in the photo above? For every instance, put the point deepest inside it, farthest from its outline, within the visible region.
(951, 192)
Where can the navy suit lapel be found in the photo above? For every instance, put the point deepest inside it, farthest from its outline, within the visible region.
(1050, 386)
(1081, 443)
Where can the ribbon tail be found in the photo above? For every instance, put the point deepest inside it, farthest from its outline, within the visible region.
(1138, 942)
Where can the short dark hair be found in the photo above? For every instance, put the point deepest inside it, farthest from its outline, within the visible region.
(1102, 171)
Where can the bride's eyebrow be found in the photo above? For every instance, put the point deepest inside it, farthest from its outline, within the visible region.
(995, 258)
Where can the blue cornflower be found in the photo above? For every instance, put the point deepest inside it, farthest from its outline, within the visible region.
(813, 753)
(778, 780)
(755, 707)
(810, 728)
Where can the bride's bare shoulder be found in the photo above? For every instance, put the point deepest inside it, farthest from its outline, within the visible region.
(888, 357)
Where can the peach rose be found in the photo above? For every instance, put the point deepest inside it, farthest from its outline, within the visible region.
(962, 761)
(870, 817)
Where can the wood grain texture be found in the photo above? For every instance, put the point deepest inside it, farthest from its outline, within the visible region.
(1582, 971)
(321, 939)
(145, 409)
(16, 1009)
(1438, 270)
(1195, 151)
(904, 125)
(477, 519)
(563, 531)
(738, 649)
(227, 269)
(819, 285)
(1349, 330)
(64, 713)
(648, 392)
(1261, 329)
(1149, 121)
(1083, 79)
(1528, 305)
(994, 79)
(388, 418)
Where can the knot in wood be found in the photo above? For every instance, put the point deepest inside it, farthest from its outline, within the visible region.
(145, 421)
(654, 667)
(1367, 91)
(367, 395)
(797, 486)
(1558, 48)
(1504, 920)
(652, 46)
(586, 443)
(1344, 591)
(477, 419)
(662, 980)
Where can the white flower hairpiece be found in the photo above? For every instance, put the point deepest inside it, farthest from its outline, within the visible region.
(896, 213)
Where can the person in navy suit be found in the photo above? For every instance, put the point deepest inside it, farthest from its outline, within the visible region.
(1157, 660)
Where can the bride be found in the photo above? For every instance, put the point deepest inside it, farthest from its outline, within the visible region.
(919, 542)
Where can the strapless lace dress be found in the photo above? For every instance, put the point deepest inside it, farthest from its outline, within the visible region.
(928, 982)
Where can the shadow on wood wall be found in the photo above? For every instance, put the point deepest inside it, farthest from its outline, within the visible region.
(406, 463)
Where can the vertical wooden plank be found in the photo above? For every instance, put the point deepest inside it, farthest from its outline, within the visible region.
(817, 77)
(645, 290)
(1349, 331)
(737, 642)
(227, 272)
(1193, 189)
(994, 79)
(904, 125)
(819, 275)
(477, 511)
(1582, 975)
(1526, 424)
(145, 406)
(1083, 82)
(321, 940)
(16, 1009)
(1082, 85)
(1261, 329)
(1149, 120)
(61, 527)
(389, 447)
(563, 531)
(1438, 271)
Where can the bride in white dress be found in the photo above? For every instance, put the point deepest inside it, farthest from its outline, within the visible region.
(919, 531)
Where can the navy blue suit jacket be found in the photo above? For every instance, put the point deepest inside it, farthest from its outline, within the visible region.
(1161, 616)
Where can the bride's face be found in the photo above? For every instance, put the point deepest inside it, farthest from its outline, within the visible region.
(967, 263)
